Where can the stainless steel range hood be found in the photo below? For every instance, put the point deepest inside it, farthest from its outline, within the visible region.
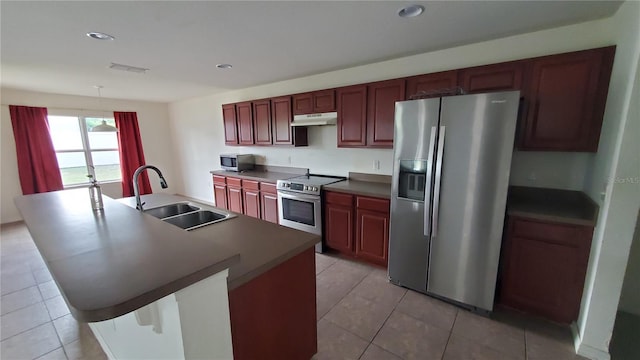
(329, 118)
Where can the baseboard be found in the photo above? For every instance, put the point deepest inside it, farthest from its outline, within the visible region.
(586, 350)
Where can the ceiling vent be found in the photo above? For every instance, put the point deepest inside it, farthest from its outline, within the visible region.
(128, 68)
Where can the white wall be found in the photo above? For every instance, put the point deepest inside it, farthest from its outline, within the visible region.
(618, 160)
(630, 297)
(153, 119)
(197, 127)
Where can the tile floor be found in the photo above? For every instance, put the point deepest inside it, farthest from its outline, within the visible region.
(360, 316)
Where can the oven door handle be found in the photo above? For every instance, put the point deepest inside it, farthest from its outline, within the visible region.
(296, 196)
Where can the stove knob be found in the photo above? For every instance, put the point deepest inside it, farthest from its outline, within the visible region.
(286, 185)
(315, 188)
(306, 187)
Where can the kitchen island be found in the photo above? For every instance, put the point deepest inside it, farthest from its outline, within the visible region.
(119, 263)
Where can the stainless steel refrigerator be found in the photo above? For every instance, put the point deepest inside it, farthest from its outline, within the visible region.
(452, 157)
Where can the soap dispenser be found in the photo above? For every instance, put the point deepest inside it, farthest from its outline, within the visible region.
(95, 194)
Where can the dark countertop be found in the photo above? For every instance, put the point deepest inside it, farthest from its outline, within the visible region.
(110, 263)
(565, 206)
(257, 175)
(364, 188)
(364, 184)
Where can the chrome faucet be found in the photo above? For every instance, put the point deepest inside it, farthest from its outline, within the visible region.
(136, 190)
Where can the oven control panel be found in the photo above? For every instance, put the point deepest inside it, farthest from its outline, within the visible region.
(298, 187)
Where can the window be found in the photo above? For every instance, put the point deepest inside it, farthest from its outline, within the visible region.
(80, 151)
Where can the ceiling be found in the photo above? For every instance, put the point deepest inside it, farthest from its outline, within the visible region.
(44, 46)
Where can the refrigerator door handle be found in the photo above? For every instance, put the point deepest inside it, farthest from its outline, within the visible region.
(429, 175)
(438, 178)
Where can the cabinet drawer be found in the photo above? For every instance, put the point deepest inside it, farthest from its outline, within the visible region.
(267, 187)
(219, 179)
(546, 231)
(235, 182)
(250, 185)
(339, 199)
(381, 205)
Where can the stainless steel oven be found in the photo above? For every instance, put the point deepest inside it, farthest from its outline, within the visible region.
(300, 203)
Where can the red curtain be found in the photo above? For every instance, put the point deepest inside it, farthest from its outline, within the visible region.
(37, 163)
(131, 153)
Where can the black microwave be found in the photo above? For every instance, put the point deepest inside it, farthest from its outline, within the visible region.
(236, 162)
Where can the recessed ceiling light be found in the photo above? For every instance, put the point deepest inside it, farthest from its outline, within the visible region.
(99, 36)
(224, 66)
(129, 68)
(411, 11)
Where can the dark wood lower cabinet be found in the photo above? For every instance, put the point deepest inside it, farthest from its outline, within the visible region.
(234, 199)
(372, 234)
(269, 204)
(369, 238)
(251, 202)
(543, 267)
(274, 315)
(220, 193)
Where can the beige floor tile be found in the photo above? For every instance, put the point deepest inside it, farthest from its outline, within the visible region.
(378, 289)
(49, 290)
(323, 262)
(70, 330)
(56, 307)
(337, 343)
(460, 348)
(57, 354)
(360, 316)
(499, 336)
(375, 352)
(31, 344)
(411, 338)
(24, 319)
(334, 283)
(16, 281)
(428, 309)
(42, 276)
(549, 346)
(20, 299)
(85, 348)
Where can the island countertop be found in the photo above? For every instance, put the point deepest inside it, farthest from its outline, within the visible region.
(112, 262)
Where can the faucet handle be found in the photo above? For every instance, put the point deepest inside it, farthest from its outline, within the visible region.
(139, 207)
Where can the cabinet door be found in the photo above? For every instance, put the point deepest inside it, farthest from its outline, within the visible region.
(324, 101)
(339, 227)
(251, 203)
(281, 116)
(431, 83)
(352, 116)
(381, 102)
(245, 123)
(230, 124)
(490, 78)
(234, 199)
(566, 101)
(372, 236)
(545, 267)
(220, 193)
(303, 104)
(262, 122)
(269, 204)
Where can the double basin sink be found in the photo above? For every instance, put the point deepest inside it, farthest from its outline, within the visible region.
(188, 216)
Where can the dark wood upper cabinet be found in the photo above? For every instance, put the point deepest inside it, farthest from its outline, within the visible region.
(324, 101)
(281, 117)
(566, 100)
(314, 102)
(230, 124)
(352, 116)
(381, 103)
(431, 83)
(496, 77)
(244, 112)
(262, 122)
(543, 267)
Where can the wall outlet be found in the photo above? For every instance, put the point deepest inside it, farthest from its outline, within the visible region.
(376, 164)
(289, 160)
